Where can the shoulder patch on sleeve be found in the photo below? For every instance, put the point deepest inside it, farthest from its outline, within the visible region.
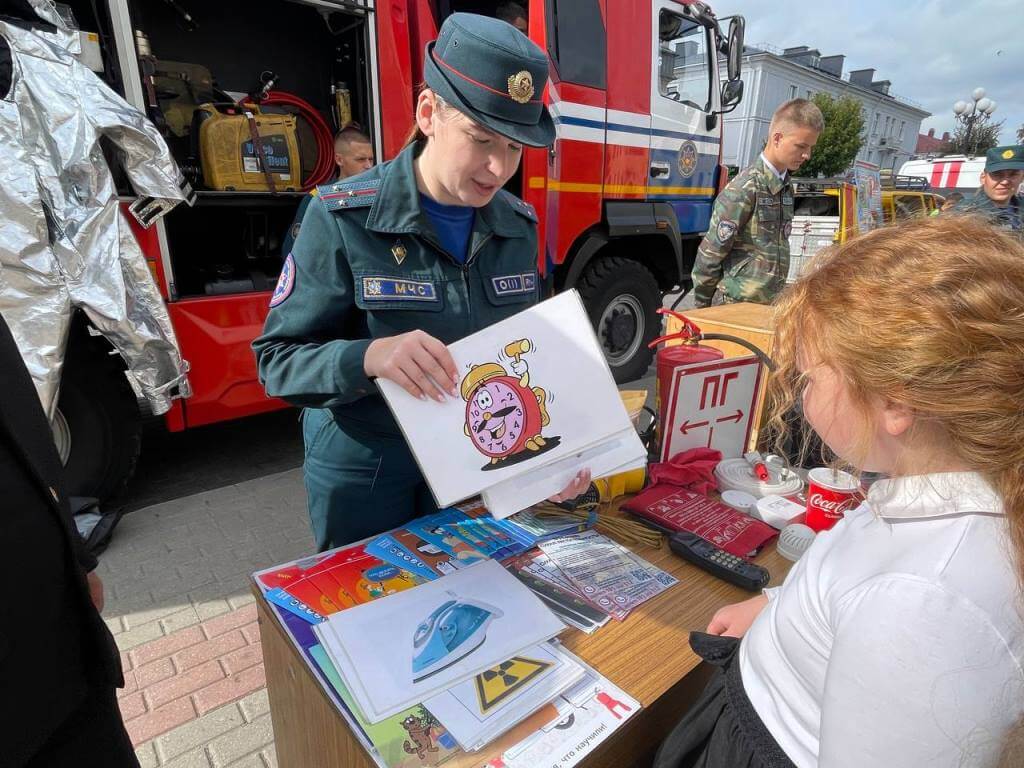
(285, 282)
(343, 195)
(726, 230)
(520, 206)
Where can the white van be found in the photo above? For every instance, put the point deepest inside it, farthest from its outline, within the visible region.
(945, 174)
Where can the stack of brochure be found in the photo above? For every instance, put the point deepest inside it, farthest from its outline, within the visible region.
(442, 543)
(471, 647)
(606, 573)
(429, 647)
(537, 572)
(548, 526)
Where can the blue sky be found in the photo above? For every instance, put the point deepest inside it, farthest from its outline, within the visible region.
(933, 52)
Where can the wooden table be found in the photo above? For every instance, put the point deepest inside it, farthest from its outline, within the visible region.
(647, 655)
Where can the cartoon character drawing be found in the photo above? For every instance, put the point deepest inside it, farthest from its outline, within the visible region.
(460, 550)
(382, 581)
(419, 732)
(504, 414)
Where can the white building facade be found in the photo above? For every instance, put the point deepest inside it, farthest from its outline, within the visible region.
(771, 77)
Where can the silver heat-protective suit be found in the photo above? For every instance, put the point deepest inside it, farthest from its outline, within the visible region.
(64, 243)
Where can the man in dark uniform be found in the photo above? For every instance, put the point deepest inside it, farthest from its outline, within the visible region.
(58, 662)
(353, 154)
(997, 198)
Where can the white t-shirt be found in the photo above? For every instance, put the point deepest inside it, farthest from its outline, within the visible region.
(897, 639)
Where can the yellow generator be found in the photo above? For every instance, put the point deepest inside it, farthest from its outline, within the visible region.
(229, 136)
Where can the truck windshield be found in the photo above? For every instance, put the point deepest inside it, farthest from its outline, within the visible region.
(684, 70)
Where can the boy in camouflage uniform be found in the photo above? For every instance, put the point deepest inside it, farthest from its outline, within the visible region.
(745, 254)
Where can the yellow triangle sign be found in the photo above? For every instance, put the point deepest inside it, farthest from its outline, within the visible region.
(498, 683)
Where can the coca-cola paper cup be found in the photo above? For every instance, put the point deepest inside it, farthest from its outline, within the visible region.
(829, 495)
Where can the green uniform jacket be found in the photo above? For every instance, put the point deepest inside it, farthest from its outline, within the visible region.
(367, 264)
(1008, 216)
(745, 253)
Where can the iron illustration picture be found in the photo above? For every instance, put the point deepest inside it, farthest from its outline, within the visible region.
(451, 632)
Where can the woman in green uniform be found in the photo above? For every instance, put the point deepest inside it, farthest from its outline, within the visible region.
(393, 264)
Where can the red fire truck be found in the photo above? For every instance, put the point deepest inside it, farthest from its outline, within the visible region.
(623, 196)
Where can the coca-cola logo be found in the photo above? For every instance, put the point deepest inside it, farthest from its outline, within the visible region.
(831, 506)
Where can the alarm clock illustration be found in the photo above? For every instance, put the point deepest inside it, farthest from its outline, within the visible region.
(504, 414)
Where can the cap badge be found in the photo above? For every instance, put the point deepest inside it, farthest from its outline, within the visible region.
(520, 87)
(1007, 154)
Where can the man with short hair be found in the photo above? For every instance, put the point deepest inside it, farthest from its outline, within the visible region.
(514, 14)
(353, 154)
(997, 198)
(745, 254)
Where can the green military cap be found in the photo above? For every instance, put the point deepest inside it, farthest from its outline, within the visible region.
(1010, 158)
(493, 73)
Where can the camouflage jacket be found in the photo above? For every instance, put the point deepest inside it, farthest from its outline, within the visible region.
(1008, 216)
(745, 253)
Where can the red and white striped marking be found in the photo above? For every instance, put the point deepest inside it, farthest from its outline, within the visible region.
(946, 175)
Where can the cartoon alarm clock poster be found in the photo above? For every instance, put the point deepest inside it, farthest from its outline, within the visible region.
(533, 400)
(506, 414)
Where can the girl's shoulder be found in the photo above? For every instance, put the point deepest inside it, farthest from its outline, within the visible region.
(964, 557)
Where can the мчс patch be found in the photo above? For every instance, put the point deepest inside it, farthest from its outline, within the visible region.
(394, 289)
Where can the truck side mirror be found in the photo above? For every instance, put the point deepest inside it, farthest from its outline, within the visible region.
(732, 93)
(737, 25)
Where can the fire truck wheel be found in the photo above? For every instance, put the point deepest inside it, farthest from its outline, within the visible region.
(97, 427)
(622, 299)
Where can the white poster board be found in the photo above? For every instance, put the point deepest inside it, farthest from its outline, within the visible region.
(535, 393)
(710, 405)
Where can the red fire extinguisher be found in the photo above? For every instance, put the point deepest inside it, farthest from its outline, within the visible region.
(690, 351)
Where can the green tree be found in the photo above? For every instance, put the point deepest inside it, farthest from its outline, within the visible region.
(841, 140)
(984, 136)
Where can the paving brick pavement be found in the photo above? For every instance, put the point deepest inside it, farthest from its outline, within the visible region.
(179, 605)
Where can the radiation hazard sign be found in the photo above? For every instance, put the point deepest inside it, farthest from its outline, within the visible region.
(498, 683)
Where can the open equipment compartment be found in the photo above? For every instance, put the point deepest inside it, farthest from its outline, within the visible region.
(230, 241)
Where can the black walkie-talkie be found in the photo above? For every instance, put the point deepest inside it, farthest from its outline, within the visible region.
(718, 562)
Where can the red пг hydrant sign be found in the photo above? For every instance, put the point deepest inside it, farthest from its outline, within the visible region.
(709, 405)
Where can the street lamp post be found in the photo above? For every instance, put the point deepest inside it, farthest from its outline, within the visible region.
(979, 109)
